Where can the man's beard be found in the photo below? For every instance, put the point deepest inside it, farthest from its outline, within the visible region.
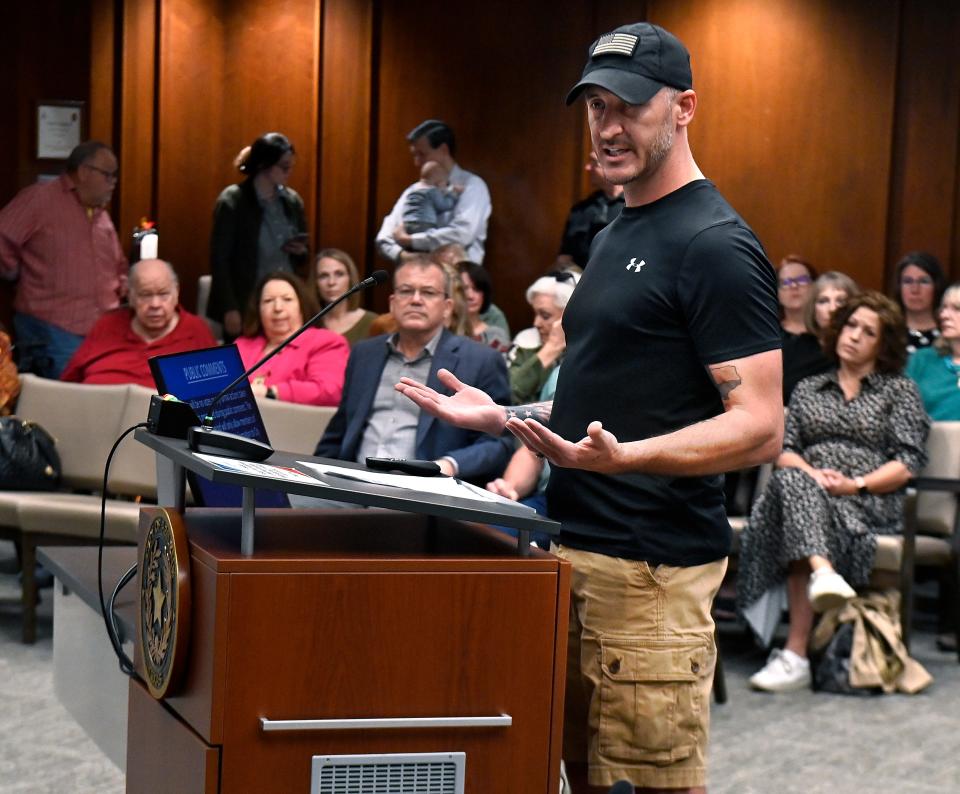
(658, 152)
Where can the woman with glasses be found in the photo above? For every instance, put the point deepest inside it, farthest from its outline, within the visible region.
(802, 355)
(335, 273)
(918, 285)
(936, 368)
(530, 367)
(259, 227)
(801, 349)
(311, 369)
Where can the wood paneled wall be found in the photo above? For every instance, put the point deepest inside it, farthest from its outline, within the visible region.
(832, 127)
(795, 117)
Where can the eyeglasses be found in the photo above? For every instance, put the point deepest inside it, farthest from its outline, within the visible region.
(799, 281)
(923, 281)
(562, 276)
(146, 297)
(111, 176)
(427, 293)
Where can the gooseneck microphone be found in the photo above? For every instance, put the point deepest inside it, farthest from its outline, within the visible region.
(203, 438)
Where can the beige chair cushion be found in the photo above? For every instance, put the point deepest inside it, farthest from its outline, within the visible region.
(292, 427)
(936, 511)
(10, 502)
(79, 515)
(82, 418)
(929, 551)
(134, 468)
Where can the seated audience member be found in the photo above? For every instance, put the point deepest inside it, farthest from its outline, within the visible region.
(918, 285)
(589, 217)
(9, 377)
(794, 276)
(802, 354)
(335, 273)
(530, 367)
(936, 369)
(432, 196)
(376, 420)
(465, 224)
(478, 292)
(459, 322)
(310, 369)
(451, 255)
(118, 346)
(854, 437)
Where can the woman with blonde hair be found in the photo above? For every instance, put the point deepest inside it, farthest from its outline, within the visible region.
(335, 273)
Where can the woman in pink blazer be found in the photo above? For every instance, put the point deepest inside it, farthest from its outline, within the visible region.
(310, 369)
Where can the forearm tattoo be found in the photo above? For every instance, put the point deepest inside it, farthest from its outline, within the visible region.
(726, 379)
(538, 411)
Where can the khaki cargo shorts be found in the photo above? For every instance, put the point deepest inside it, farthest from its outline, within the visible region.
(640, 665)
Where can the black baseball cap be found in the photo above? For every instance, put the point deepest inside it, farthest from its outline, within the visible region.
(634, 62)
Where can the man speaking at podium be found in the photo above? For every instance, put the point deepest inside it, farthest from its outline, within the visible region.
(672, 376)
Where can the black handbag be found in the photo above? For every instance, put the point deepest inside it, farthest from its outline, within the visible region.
(831, 669)
(28, 456)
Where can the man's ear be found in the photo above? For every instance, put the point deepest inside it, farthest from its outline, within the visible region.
(686, 106)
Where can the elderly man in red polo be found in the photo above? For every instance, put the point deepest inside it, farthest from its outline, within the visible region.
(118, 346)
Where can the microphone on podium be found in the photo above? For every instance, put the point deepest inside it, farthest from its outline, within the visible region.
(203, 438)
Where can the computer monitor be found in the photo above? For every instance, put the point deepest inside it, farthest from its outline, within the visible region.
(196, 377)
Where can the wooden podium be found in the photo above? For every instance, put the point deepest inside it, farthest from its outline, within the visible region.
(358, 651)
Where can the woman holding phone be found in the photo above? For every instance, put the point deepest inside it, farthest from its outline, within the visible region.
(259, 227)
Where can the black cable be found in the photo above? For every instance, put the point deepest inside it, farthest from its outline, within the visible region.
(126, 665)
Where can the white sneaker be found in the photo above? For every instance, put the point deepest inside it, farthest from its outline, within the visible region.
(828, 590)
(783, 672)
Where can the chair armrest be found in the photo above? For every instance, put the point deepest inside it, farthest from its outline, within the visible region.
(948, 484)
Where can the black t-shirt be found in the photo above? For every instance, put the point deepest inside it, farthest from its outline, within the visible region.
(802, 357)
(672, 287)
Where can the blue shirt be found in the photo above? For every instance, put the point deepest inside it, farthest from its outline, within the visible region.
(938, 381)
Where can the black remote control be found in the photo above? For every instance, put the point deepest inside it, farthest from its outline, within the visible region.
(422, 468)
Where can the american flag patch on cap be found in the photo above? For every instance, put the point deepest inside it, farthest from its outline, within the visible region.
(615, 43)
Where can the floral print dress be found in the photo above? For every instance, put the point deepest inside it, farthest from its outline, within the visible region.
(795, 518)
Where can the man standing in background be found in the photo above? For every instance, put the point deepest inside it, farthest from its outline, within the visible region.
(589, 216)
(465, 224)
(58, 242)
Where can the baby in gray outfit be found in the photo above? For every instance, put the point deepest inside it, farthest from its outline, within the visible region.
(430, 197)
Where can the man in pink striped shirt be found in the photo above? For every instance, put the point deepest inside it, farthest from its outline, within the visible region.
(57, 239)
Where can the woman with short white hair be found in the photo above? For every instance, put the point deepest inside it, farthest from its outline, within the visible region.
(530, 366)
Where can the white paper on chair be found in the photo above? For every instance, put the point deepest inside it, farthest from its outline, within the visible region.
(439, 486)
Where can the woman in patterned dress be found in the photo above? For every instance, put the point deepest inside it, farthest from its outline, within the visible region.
(854, 437)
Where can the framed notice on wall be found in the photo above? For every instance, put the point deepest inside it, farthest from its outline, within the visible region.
(59, 128)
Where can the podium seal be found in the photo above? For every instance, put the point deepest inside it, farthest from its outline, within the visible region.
(164, 602)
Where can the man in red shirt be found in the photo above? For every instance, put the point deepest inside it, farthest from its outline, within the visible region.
(118, 346)
(57, 240)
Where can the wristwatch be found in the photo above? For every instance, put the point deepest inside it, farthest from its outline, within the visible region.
(861, 486)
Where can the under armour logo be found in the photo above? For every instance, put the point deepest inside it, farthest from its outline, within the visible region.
(636, 265)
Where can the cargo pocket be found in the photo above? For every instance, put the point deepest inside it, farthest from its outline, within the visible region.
(650, 697)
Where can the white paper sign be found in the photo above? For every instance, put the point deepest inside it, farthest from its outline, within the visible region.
(58, 131)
